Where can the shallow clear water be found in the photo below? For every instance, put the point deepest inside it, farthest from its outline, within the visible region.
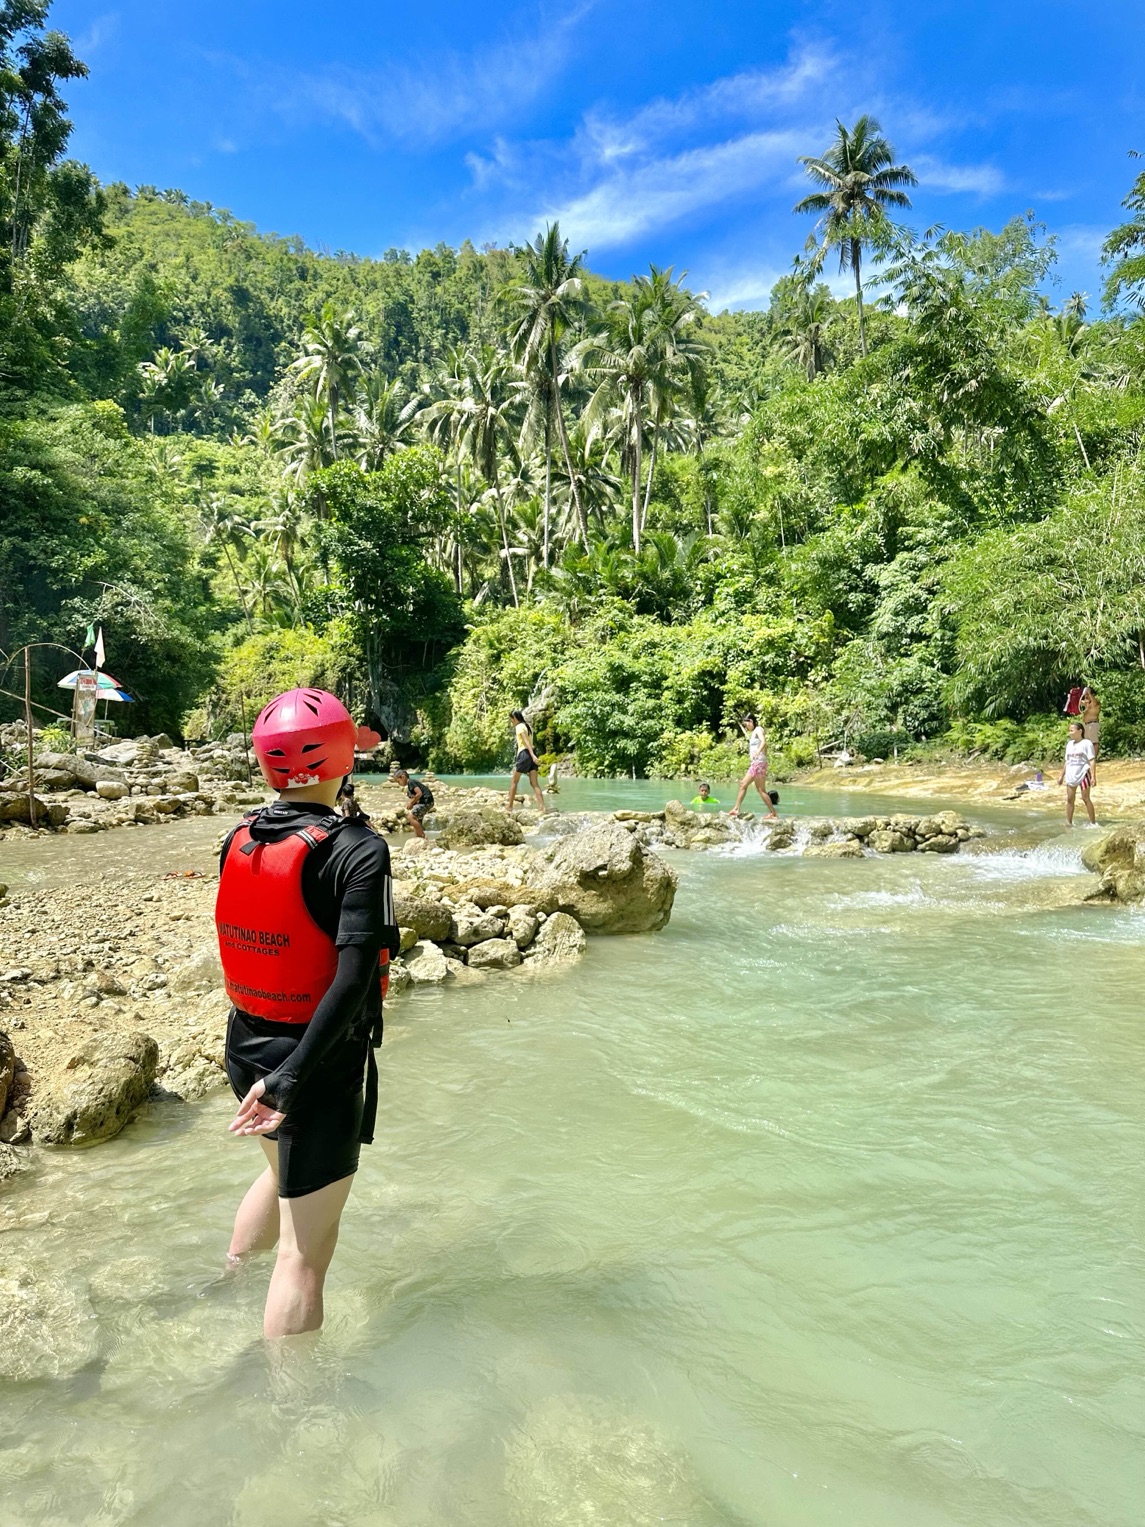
(822, 1206)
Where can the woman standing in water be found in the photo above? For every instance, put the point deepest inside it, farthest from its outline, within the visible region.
(526, 761)
(306, 925)
(757, 767)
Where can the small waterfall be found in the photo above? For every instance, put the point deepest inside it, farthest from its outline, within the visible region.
(1056, 857)
(752, 838)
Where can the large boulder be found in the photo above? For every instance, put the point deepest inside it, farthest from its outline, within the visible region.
(607, 880)
(474, 826)
(103, 1083)
(888, 840)
(428, 917)
(1119, 858)
(560, 938)
(494, 954)
(426, 964)
(14, 807)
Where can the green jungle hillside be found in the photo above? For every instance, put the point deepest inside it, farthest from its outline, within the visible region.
(452, 482)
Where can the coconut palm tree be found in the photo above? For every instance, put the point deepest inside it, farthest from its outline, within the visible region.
(382, 421)
(860, 181)
(548, 301)
(478, 416)
(330, 363)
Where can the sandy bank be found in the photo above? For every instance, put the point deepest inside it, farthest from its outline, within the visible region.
(1120, 790)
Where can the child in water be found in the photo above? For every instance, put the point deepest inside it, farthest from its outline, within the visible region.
(704, 800)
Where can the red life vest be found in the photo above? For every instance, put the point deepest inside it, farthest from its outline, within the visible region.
(1073, 702)
(277, 962)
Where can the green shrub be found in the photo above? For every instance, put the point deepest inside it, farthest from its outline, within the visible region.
(262, 666)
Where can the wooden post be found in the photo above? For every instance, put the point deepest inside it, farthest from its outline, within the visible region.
(28, 733)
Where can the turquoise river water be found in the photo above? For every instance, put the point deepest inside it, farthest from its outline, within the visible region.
(820, 1207)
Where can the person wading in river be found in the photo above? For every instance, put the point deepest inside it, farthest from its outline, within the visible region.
(757, 767)
(526, 762)
(306, 926)
(1077, 772)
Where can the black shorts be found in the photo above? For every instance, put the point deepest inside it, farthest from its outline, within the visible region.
(320, 1138)
(523, 763)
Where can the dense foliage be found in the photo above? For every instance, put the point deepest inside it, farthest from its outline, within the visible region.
(461, 481)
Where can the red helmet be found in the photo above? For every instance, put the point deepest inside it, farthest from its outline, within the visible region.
(303, 737)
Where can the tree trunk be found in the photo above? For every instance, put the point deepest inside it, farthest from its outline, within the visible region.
(638, 444)
(505, 541)
(651, 474)
(548, 484)
(563, 433)
(856, 265)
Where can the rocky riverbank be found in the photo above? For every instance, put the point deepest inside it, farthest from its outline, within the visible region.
(677, 826)
(103, 1005)
(1120, 789)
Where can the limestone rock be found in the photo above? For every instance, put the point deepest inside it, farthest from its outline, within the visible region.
(202, 972)
(12, 1161)
(940, 843)
(48, 1328)
(426, 964)
(608, 881)
(522, 925)
(560, 938)
(408, 937)
(850, 848)
(886, 840)
(102, 1085)
(1119, 858)
(110, 790)
(400, 978)
(781, 835)
(472, 926)
(494, 954)
(182, 782)
(474, 826)
(428, 917)
(7, 1069)
(14, 807)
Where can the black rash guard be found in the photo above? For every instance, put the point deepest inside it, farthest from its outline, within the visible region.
(348, 891)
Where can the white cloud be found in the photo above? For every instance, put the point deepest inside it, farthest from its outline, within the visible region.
(454, 94)
(99, 30)
(977, 179)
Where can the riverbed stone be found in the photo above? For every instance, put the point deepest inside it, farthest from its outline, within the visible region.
(494, 954)
(521, 925)
(13, 1161)
(14, 807)
(102, 1085)
(7, 1069)
(430, 917)
(849, 848)
(426, 964)
(203, 972)
(608, 881)
(472, 926)
(475, 826)
(1119, 858)
(781, 835)
(110, 790)
(887, 840)
(48, 1328)
(940, 843)
(560, 938)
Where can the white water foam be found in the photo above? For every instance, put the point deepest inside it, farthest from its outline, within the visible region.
(749, 839)
(1050, 860)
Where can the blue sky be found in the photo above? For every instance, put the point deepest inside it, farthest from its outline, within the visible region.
(656, 133)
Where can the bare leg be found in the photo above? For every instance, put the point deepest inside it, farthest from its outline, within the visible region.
(743, 784)
(306, 1245)
(537, 791)
(1088, 804)
(256, 1223)
(513, 783)
(761, 786)
(1070, 793)
(419, 830)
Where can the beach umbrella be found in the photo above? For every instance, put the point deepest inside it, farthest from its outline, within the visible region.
(105, 687)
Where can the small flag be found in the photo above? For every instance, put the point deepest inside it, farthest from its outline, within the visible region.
(89, 639)
(100, 655)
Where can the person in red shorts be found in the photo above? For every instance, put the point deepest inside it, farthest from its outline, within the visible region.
(306, 926)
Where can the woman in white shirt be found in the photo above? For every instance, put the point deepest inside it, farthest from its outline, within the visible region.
(757, 768)
(1077, 772)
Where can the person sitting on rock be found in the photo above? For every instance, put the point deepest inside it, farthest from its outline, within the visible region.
(420, 800)
(704, 800)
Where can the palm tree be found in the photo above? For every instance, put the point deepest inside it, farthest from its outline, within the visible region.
(860, 181)
(306, 444)
(223, 527)
(803, 323)
(477, 416)
(383, 420)
(628, 367)
(1124, 249)
(330, 362)
(675, 312)
(549, 301)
